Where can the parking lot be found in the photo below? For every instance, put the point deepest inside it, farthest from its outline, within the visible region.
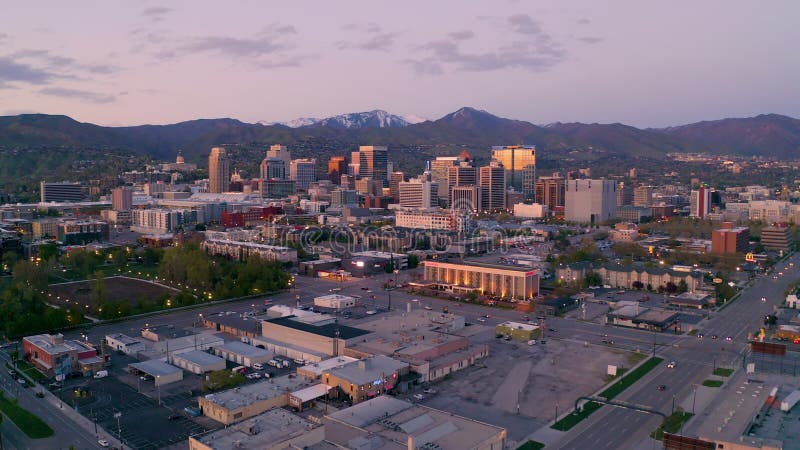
(520, 386)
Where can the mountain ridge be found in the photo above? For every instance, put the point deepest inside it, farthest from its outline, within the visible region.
(762, 135)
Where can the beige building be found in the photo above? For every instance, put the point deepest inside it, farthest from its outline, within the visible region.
(238, 250)
(329, 339)
(505, 281)
(394, 424)
(276, 429)
(631, 277)
(364, 379)
(218, 170)
(237, 404)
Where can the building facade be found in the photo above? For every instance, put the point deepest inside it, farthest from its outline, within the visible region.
(303, 172)
(504, 281)
(590, 201)
(61, 192)
(492, 181)
(219, 170)
(517, 159)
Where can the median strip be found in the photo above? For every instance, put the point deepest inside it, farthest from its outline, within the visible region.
(29, 423)
(609, 393)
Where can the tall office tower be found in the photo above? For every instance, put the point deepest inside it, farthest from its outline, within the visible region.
(347, 182)
(280, 152)
(515, 158)
(590, 201)
(463, 174)
(337, 166)
(372, 162)
(529, 183)
(303, 172)
(466, 198)
(700, 202)
(643, 196)
(273, 169)
(121, 199)
(219, 169)
(368, 186)
(624, 194)
(550, 191)
(418, 193)
(492, 180)
(440, 168)
(394, 184)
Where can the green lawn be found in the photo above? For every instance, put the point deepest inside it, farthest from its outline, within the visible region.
(723, 372)
(29, 370)
(712, 383)
(572, 419)
(631, 378)
(29, 423)
(531, 445)
(671, 424)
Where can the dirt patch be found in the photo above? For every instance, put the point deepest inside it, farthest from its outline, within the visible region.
(117, 289)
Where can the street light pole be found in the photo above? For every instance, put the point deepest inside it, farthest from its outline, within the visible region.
(694, 396)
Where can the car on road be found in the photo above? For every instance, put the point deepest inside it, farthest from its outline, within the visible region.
(103, 443)
(364, 288)
(486, 316)
(728, 338)
(419, 397)
(672, 365)
(552, 329)
(607, 341)
(427, 307)
(700, 336)
(429, 391)
(713, 336)
(763, 299)
(662, 387)
(481, 319)
(174, 416)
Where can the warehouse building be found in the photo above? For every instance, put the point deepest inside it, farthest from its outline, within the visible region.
(389, 420)
(198, 362)
(275, 429)
(241, 353)
(237, 404)
(329, 339)
(233, 323)
(124, 343)
(315, 370)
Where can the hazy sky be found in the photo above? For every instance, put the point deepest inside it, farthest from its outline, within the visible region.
(638, 62)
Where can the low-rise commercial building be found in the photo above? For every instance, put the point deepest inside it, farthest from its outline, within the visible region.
(58, 357)
(125, 344)
(518, 331)
(364, 379)
(315, 370)
(237, 404)
(330, 339)
(242, 353)
(777, 238)
(520, 283)
(335, 301)
(275, 429)
(399, 425)
(232, 323)
(635, 316)
(198, 362)
(631, 277)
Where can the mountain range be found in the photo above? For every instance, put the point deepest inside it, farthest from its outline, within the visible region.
(764, 135)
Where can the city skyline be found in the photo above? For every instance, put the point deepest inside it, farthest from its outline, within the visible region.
(166, 63)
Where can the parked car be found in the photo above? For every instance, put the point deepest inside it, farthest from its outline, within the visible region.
(429, 391)
(672, 365)
(103, 443)
(418, 397)
(258, 366)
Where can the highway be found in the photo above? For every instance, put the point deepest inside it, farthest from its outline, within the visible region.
(616, 428)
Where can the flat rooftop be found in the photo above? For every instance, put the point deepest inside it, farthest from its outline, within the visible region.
(399, 422)
(368, 370)
(519, 326)
(261, 431)
(264, 390)
(329, 330)
(417, 319)
(199, 357)
(124, 338)
(479, 265)
(155, 368)
(735, 408)
(235, 320)
(328, 364)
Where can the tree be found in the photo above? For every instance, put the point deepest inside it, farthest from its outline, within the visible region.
(98, 294)
(592, 278)
(413, 261)
(48, 251)
(682, 286)
(637, 285)
(671, 287)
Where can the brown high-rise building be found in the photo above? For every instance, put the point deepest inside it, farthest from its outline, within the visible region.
(394, 184)
(219, 167)
(550, 191)
(121, 199)
(730, 239)
(337, 166)
(492, 181)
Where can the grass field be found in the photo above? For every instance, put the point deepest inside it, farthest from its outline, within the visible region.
(671, 424)
(723, 372)
(531, 445)
(30, 424)
(712, 383)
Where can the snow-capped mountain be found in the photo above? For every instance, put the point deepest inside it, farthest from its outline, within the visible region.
(370, 119)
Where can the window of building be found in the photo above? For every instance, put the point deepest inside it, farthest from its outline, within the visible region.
(237, 416)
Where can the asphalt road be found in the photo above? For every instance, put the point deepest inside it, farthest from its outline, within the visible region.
(616, 428)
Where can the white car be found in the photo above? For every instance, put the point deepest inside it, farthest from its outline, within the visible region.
(103, 443)
(481, 319)
(427, 307)
(671, 365)
(419, 397)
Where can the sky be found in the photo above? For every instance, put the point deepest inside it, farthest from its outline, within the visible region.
(647, 64)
